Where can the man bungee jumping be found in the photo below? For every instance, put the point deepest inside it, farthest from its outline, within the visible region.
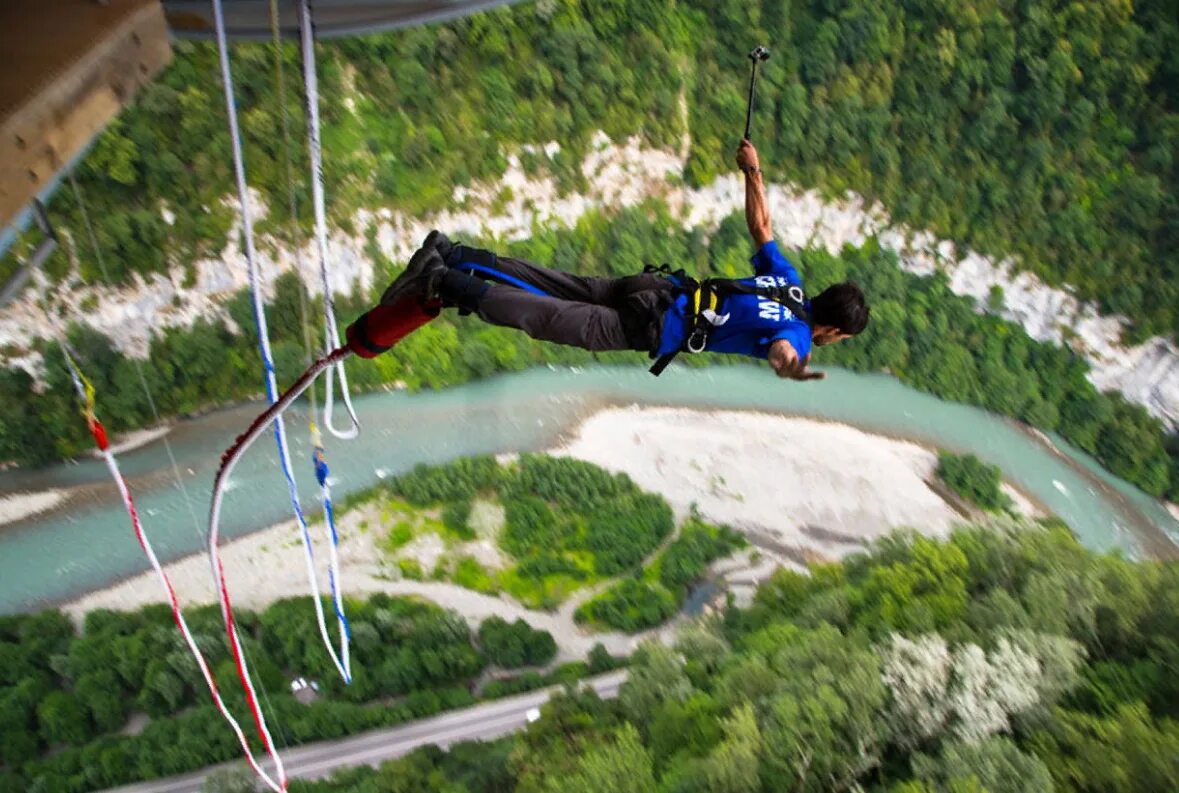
(661, 312)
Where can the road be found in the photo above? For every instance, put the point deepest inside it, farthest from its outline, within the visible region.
(317, 760)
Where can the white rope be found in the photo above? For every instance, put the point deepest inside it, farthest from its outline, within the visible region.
(279, 785)
(330, 329)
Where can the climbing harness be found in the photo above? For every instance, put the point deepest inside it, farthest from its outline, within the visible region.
(705, 300)
(86, 398)
(483, 262)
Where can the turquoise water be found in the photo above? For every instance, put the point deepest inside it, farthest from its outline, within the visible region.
(87, 543)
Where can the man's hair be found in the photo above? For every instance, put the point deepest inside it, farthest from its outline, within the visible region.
(842, 306)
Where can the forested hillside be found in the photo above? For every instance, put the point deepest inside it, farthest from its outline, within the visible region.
(1003, 661)
(1038, 128)
(1044, 129)
(1007, 659)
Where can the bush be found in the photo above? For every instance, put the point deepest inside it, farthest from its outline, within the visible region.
(459, 480)
(470, 574)
(978, 482)
(529, 681)
(398, 536)
(698, 545)
(547, 564)
(455, 516)
(621, 532)
(411, 569)
(516, 644)
(631, 605)
(600, 660)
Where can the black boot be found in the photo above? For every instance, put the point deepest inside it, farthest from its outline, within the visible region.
(439, 242)
(458, 255)
(461, 290)
(421, 278)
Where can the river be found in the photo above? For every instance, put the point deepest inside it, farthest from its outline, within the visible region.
(86, 542)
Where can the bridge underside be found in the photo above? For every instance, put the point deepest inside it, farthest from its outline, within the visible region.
(70, 66)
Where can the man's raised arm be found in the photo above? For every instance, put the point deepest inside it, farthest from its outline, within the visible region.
(757, 211)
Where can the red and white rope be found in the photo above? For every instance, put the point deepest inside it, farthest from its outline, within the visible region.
(86, 395)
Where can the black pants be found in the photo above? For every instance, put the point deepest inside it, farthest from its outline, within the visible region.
(593, 313)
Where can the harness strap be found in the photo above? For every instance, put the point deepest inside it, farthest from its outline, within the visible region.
(662, 361)
(791, 296)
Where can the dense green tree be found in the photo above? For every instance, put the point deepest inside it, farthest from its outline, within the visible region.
(102, 695)
(63, 719)
(925, 588)
(656, 678)
(732, 765)
(974, 480)
(995, 765)
(770, 697)
(697, 546)
(1126, 751)
(823, 728)
(630, 605)
(515, 644)
(623, 765)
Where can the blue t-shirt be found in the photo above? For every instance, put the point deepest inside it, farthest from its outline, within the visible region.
(753, 322)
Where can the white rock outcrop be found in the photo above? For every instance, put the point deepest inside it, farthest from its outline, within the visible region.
(618, 175)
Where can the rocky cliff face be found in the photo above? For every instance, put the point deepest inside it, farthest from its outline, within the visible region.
(619, 174)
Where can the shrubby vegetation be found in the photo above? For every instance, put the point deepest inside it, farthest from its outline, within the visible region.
(515, 644)
(633, 604)
(1008, 658)
(978, 482)
(567, 522)
(598, 662)
(65, 696)
(698, 545)
(650, 599)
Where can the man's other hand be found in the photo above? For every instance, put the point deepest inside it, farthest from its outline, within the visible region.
(785, 362)
(747, 156)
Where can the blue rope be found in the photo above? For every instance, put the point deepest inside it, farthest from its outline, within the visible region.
(321, 475)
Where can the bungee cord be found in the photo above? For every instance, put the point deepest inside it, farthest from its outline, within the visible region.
(382, 327)
(86, 395)
(151, 402)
